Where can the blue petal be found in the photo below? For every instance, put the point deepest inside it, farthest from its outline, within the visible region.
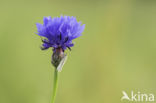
(60, 31)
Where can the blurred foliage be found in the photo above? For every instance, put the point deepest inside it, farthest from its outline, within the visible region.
(116, 52)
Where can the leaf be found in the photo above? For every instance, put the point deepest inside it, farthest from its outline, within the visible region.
(62, 62)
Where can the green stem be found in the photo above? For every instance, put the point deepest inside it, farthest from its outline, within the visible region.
(55, 84)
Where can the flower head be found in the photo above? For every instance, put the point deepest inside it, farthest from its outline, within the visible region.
(58, 32)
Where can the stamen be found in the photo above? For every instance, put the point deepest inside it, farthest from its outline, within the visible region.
(60, 37)
(69, 48)
(66, 39)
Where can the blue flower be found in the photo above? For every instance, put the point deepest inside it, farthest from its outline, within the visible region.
(58, 32)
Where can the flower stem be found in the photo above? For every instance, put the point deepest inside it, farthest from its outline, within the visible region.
(55, 84)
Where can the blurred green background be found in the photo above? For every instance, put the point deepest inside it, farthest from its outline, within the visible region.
(116, 53)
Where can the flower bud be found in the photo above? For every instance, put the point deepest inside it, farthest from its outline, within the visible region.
(57, 56)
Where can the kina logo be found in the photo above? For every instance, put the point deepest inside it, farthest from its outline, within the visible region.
(137, 97)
